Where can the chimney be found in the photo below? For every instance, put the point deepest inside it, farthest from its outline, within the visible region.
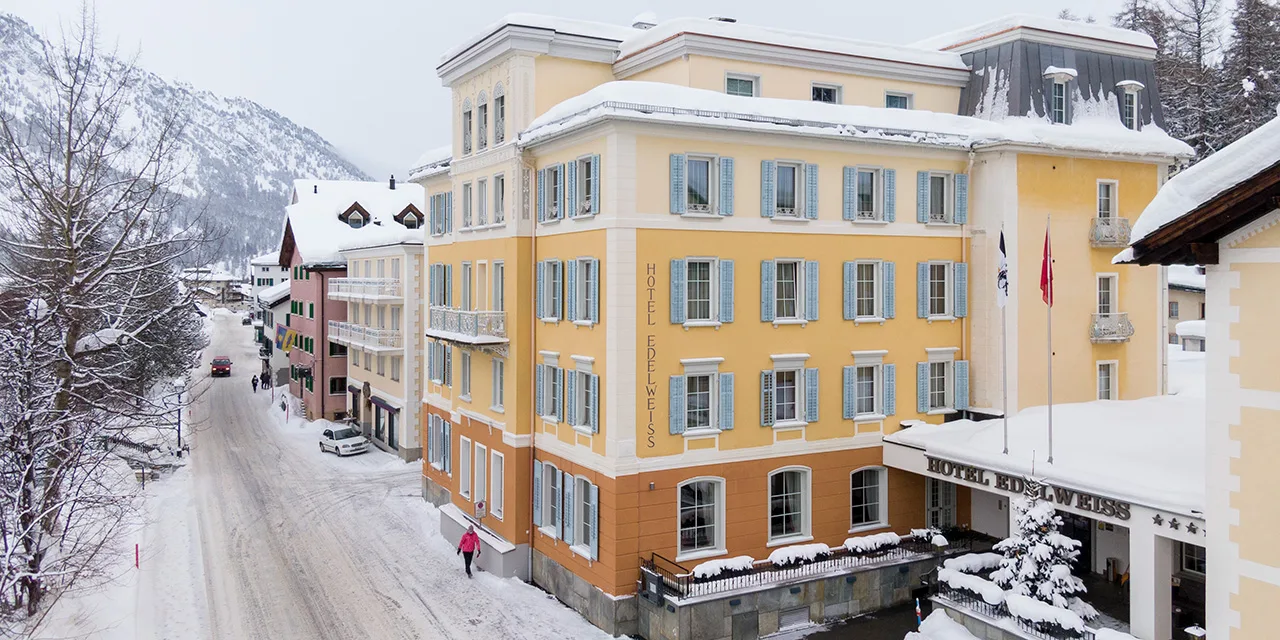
(646, 20)
(393, 182)
(723, 19)
(315, 188)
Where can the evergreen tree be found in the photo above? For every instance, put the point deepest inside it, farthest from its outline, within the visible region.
(1249, 85)
(1037, 558)
(1195, 29)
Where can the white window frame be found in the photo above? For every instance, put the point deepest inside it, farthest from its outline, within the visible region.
(1113, 382)
(1182, 558)
(583, 289)
(948, 197)
(877, 291)
(1113, 197)
(551, 507)
(946, 509)
(583, 203)
(499, 119)
(464, 474)
(806, 507)
(790, 363)
(466, 131)
(798, 318)
(581, 524)
(910, 97)
(1113, 291)
(797, 211)
(498, 385)
(396, 363)
(382, 365)
(1175, 309)
(719, 527)
(554, 290)
(703, 367)
(748, 77)
(550, 382)
(1129, 113)
(837, 91)
(1057, 112)
(465, 374)
(553, 193)
(877, 194)
(948, 289)
(582, 373)
(873, 360)
(410, 221)
(882, 504)
(947, 356)
(713, 318)
(355, 220)
(466, 205)
(480, 469)
(499, 198)
(497, 475)
(466, 302)
(482, 202)
(713, 185)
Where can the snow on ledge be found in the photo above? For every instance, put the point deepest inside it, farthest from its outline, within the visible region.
(498, 544)
(797, 553)
(1068, 72)
(973, 562)
(940, 626)
(990, 592)
(991, 28)
(863, 544)
(713, 568)
(1033, 610)
(1191, 329)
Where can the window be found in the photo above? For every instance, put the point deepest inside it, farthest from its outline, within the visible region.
(585, 280)
(897, 100)
(938, 200)
(396, 363)
(825, 93)
(1107, 381)
(410, 221)
(1106, 294)
(698, 284)
(482, 472)
(939, 384)
(584, 519)
(355, 220)
(382, 365)
(499, 297)
(583, 387)
(337, 350)
(550, 391)
(466, 286)
(739, 85)
(555, 195)
(1106, 199)
(787, 290)
(698, 401)
(588, 186)
(311, 310)
(698, 184)
(1202, 311)
(482, 202)
(868, 495)
(550, 498)
(865, 289)
(499, 119)
(787, 190)
(1058, 103)
(1173, 309)
(498, 383)
(865, 390)
(939, 288)
(466, 205)
(355, 358)
(940, 504)
(466, 130)
(497, 474)
(395, 317)
(464, 470)
(700, 516)
(482, 122)
(466, 375)
(1129, 110)
(868, 202)
(499, 198)
(337, 385)
(786, 402)
(1193, 558)
(787, 497)
(550, 303)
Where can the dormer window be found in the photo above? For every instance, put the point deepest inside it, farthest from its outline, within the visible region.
(355, 220)
(1129, 103)
(1058, 92)
(410, 221)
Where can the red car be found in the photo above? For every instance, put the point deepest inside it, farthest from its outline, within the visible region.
(221, 366)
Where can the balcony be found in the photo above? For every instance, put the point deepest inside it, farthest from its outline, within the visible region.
(1109, 232)
(1110, 327)
(365, 289)
(468, 327)
(367, 338)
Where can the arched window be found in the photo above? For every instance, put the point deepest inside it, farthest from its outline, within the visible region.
(701, 517)
(868, 498)
(788, 503)
(499, 114)
(355, 220)
(482, 120)
(466, 126)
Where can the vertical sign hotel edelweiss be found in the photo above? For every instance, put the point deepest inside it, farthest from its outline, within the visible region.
(1013, 484)
(651, 349)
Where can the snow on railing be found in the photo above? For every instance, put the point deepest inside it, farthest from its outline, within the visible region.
(1110, 327)
(1043, 624)
(371, 287)
(467, 324)
(367, 337)
(1109, 232)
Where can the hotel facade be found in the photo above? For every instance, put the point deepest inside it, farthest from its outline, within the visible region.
(683, 278)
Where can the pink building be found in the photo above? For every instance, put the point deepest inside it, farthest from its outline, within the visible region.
(323, 217)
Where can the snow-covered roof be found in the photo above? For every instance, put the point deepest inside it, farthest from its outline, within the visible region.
(267, 260)
(568, 26)
(1196, 186)
(201, 274)
(1186, 277)
(650, 101)
(431, 162)
(1132, 449)
(274, 294)
(667, 29)
(1190, 329)
(977, 32)
(319, 235)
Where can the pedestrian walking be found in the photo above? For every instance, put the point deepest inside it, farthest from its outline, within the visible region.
(266, 379)
(468, 546)
(255, 383)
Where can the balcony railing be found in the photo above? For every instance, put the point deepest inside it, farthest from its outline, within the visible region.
(471, 327)
(1109, 232)
(1110, 327)
(364, 337)
(344, 288)
(1046, 631)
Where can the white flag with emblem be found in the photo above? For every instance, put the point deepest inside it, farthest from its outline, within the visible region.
(1002, 276)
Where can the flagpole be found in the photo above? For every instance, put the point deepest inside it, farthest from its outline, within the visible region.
(1049, 245)
(1004, 349)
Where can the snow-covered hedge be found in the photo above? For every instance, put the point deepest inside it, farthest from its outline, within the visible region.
(864, 544)
(1032, 610)
(723, 567)
(798, 554)
(974, 562)
(990, 592)
(934, 536)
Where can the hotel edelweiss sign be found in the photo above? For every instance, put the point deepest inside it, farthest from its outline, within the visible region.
(1106, 507)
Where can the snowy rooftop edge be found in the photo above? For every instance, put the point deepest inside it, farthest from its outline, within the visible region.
(673, 103)
(1187, 277)
(980, 31)
(587, 28)
(274, 293)
(267, 259)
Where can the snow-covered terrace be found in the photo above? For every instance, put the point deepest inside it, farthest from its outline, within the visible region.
(673, 104)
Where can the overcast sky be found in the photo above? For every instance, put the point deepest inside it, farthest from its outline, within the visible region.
(362, 72)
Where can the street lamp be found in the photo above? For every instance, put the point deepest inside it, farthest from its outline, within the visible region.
(180, 384)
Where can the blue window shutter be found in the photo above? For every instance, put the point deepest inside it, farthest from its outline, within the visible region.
(675, 407)
(595, 298)
(560, 394)
(922, 387)
(922, 289)
(448, 212)
(922, 196)
(571, 190)
(849, 205)
(570, 392)
(811, 395)
(726, 291)
(890, 195)
(560, 501)
(448, 446)
(539, 391)
(537, 493)
(540, 302)
(962, 384)
(595, 522)
(542, 195)
(560, 199)
(431, 202)
(849, 406)
(567, 482)
(595, 404)
(768, 179)
(597, 195)
(961, 282)
(678, 284)
(889, 392)
(962, 198)
(448, 285)
(887, 296)
(766, 398)
(850, 290)
(811, 290)
(726, 186)
(431, 359)
(679, 197)
(571, 291)
(726, 401)
(811, 191)
(766, 291)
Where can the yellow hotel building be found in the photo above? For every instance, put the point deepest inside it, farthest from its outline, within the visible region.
(684, 276)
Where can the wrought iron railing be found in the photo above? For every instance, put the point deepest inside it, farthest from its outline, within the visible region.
(972, 602)
(367, 337)
(1110, 327)
(470, 324)
(370, 287)
(1109, 232)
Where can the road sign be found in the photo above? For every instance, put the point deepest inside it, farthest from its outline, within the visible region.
(482, 509)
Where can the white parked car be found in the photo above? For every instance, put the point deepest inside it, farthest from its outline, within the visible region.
(344, 442)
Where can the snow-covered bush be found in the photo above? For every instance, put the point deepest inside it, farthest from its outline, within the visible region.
(874, 542)
(974, 562)
(932, 535)
(723, 568)
(989, 591)
(1037, 562)
(798, 554)
(1038, 612)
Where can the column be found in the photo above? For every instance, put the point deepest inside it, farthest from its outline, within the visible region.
(1150, 591)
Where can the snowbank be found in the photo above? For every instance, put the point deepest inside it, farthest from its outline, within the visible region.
(863, 544)
(1033, 610)
(990, 592)
(973, 562)
(938, 626)
(798, 553)
(713, 568)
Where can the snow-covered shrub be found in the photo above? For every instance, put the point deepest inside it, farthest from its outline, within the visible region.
(1042, 613)
(1037, 561)
(798, 554)
(989, 591)
(874, 542)
(723, 568)
(974, 562)
(932, 535)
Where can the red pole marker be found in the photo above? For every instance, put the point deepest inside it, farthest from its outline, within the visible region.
(135, 556)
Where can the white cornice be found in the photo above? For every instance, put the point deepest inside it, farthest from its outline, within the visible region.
(1030, 34)
(517, 38)
(505, 152)
(698, 44)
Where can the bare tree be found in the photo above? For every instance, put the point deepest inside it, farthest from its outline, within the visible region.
(92, 317)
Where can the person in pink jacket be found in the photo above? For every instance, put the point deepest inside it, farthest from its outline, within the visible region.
(469, 545)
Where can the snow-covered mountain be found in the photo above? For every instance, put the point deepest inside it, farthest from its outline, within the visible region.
(241, 157)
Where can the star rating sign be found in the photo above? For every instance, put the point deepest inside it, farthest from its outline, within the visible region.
(1174, 524)
(1158, 520)
(1191, 527)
